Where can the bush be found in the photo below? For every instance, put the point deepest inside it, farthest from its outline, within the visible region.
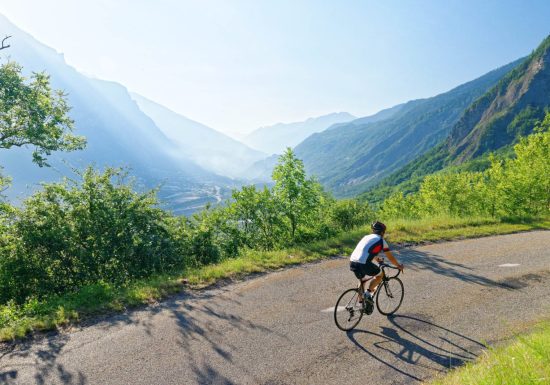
(349, 213)
(68, 235)
(517, 187)
(100, 231)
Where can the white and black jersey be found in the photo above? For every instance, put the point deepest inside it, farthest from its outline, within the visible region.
(368, 248)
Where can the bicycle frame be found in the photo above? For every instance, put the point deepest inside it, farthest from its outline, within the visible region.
(385, 278)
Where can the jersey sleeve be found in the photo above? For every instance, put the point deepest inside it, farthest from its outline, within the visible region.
(385, 246)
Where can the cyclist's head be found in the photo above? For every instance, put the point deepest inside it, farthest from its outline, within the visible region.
(378, 228)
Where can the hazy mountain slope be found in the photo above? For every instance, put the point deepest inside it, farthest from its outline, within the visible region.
(274, 139)
(377, 117)
(495, 121)
(262, 169)
(118, 133)
(207, 147)
(355, 156)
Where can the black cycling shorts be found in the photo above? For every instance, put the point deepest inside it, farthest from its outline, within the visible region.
(362, 269)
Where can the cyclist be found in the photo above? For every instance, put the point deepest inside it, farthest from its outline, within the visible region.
(361, 260)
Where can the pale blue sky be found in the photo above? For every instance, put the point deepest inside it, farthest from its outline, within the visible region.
(236, 65)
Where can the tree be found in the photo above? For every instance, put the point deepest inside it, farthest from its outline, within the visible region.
(269, 219)
(528, 190)
(258, 213)
(4, 46)
(32, 114)
(397, 205)
(298, 195)
(244, 208)
(350, 213)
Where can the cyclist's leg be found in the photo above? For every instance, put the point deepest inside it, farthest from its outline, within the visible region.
(361, 286)
(375, 282)
(374, 270)
(359, 271)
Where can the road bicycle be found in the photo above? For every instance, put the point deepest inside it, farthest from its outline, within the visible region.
(351, 305)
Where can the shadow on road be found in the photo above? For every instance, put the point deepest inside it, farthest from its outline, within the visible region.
(44, 351)
(413, 346)
(418, 260)
(44, 363)
(206, 322)
(202, 321)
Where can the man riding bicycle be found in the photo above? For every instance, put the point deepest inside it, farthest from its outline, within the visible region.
(361, 260)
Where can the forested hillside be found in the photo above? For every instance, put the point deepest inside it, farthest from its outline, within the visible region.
(353, 157)
(494, 122)
(517, 187)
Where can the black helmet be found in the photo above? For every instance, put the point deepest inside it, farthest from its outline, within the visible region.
(378, 227)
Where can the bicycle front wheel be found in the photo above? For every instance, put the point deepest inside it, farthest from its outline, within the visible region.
(348, 310)
(390, 296)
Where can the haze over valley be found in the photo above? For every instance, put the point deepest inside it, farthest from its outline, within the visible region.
(177, 178)
(194, 165)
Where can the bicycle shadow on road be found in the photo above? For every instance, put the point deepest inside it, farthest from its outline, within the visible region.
(416, 348)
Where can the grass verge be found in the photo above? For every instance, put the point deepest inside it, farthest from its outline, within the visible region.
(16, 321)
(524, 361)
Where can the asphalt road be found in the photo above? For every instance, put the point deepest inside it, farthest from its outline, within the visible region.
(278, 328)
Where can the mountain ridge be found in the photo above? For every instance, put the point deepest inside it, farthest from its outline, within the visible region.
(117, 132)
(358, 156)
(206, 146)
(491, 124)
(517, 91)
(273, 139)
(497, 119)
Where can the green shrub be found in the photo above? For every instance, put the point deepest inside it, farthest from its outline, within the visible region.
(349, 213)
(514, 188)
(69, 235)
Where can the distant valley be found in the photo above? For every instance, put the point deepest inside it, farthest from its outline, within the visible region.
(119, 134)
(195, 165)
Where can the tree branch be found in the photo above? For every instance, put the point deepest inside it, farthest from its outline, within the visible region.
(5, 46)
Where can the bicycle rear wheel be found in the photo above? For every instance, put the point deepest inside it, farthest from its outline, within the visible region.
(390, 296)
(348, 310)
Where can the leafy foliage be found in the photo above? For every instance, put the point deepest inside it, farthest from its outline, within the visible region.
(297, 195)
(514, 187)
(295, 210)
(100, 231)
(31, 113)
(74, 234)
(69, 235)
(347, 214)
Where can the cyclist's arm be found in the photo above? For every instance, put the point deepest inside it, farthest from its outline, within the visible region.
(393, 260)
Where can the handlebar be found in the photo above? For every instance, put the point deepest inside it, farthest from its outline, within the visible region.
(385, 265)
